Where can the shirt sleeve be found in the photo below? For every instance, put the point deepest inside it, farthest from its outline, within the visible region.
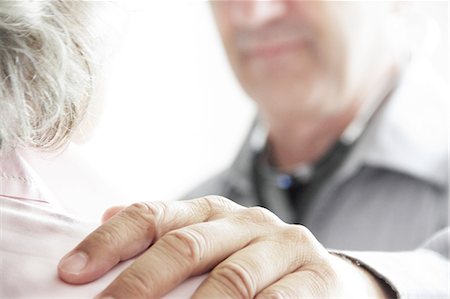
(422, 273)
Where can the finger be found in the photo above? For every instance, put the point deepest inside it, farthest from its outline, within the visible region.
(308, 282)
(131, 231)
(178, 255)
(258, 265)
(111, 212)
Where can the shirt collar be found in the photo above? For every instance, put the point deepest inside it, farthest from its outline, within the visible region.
(18, 180)
(408, 135)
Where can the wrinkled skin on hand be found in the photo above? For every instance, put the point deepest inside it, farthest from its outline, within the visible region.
(248, 252)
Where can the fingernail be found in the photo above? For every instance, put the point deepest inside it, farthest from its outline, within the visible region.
(74, 263)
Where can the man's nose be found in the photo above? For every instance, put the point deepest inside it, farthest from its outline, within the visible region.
(255, 13)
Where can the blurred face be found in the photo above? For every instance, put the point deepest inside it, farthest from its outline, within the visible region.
(293, 57)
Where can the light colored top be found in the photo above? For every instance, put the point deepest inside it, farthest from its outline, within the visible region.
(389, 194)
(36, 232)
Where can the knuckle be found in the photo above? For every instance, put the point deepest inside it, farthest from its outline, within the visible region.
(140, 208)
(216, 200)
(108, 237)
(277, 293)
(214, 204)
(234, 278)
(300, 242)
(297, 234)
(188, 244)
(259, 215)
(145, 216)
(133, 284)
(144, 210)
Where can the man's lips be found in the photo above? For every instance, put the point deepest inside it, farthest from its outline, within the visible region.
(273, 49)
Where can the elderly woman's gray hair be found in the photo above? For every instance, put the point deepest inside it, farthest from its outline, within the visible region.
(46, 71)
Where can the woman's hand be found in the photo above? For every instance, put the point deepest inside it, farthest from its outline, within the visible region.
(249, 251)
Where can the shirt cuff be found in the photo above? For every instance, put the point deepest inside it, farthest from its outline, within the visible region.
(410, 274)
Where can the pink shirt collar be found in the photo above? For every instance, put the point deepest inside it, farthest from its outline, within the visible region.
(19, 181)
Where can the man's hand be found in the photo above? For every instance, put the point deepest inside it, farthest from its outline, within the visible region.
(249, 251)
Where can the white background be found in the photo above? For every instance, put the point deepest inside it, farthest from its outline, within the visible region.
(172, 113)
